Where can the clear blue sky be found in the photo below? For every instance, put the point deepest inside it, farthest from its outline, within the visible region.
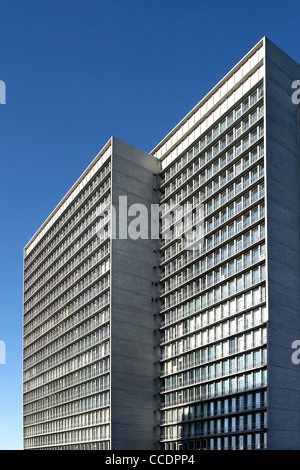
(78, 72)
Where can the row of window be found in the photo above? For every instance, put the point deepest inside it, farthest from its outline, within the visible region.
(181, 222)
(212, 241)
(253, 441)
(226, 386)
(83, 344)
(58, 383)
(222, 310)
(70, 437)
(81, 360)
(34, 321)
(214, 325)
(63, 324)
(72, 393)
(216, 333)
(55, 372)
(83, 420)
(46, 260)
(205, 177)
(194, 211)
(227, 289)
(60, 226)
(82, 262)
(223, 406)
(80, 249)
(75, 248)
(91, 295)
(40, 410)
(206, 140)
(238, 364)
(79, 279)
(235, 208)
(73, 286)
(45, 274)
(249, 422)
(194, 229)
(33, 317)
(100, 445)
(214, 351)
(214, 276)
(219, 293)
(174, 205)
(193, 241)
(208, 262)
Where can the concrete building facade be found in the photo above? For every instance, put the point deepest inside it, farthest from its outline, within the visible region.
(181, 340)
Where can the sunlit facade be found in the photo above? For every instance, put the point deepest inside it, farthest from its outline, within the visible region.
(214, 333)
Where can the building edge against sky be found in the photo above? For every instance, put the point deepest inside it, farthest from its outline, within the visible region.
(215, 415)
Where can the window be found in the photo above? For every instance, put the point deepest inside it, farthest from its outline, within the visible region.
(216, 131)
(223, 143)
(253, 98)
(239, 244)
(230, 119)
(257, 379)
(247, 219)
(226, 425)
(247, 240)
(256, 275)
(246, 142)
(239, 205)
(223, 125)
(238, 111)
(233, 424)
(255, 235)
(255, 255)
(238, 130)
(230, 155)
(245, 105)
(224, 197)
(247, 280)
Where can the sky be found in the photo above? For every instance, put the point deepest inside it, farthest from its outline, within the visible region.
(78, 72)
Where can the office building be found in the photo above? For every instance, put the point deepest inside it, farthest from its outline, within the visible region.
(81, 315)
(204, 360)
(230, 315)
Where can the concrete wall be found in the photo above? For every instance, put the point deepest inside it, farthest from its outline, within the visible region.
(282, 160)
(134, 308)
